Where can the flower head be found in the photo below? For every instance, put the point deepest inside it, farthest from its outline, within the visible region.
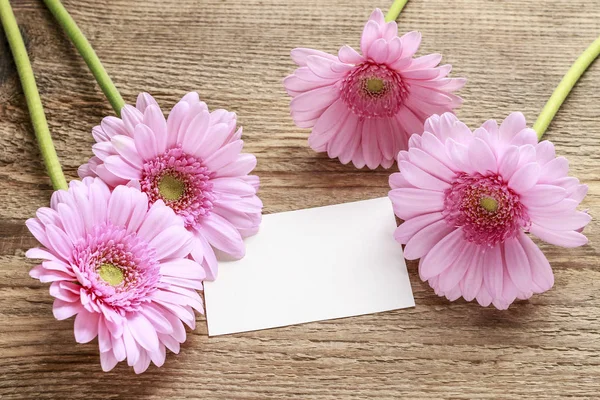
(469, 198)
(363, 108)
(120, 266)
(192, 162)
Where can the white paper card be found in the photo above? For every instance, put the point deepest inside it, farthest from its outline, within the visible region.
(311, 265)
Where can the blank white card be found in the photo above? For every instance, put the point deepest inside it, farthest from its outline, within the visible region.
(311, 265)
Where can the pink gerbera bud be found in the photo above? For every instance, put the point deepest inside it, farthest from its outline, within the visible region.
(364, 107)
(192, 162)
(468, 200)
(120, 265)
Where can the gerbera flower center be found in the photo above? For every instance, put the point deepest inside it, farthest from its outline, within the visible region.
(117, 267)
(182, 182)
(373, 90)
(489, 203)
(375, 85)
(171, 188)
(485, 207)
(110, 274)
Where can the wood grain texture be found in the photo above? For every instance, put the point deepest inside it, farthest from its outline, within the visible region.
(236, 54)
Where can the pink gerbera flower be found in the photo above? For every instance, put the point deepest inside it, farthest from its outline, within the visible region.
(363, 108)
(191, 162)
(121, 268)
(467, 200)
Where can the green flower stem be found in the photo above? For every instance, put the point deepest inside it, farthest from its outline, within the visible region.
(87, 52)
(395, 10)
(564, 87)
(34, 104)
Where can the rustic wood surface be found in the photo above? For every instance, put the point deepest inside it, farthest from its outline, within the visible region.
(235, 54)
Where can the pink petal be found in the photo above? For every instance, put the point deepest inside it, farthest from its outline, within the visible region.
(371, 151)
(154, 118)
(174, 121)
(493, 273)
(143, 363)
(158, 356)
(145, 143)
(192, 138)
(224, 156)
(559, 238)
(125, 146)
(344, 138)
(131, 117)
(424, 240)
(572, 221)
(524, 137)
(525, 178)
(541, 272)
(216, 137)
(205, 254)
(482, 158)
(72, 222)
(328, 124)
(454, 273)
(63, 310)
(104, 341)
(426, 61)
(513, 124)
(369, 35)
(99, 196)
(155, 314)
(131, 347)
(545, 152)
(378, 51)
(118, 348)
(172, 242)
(222, 235)
(232, 186)
(377, 16)
(57, 291)
(169, 342)
(472, 282)
(158, 218)
(409, 203)
(59, 242)
(543, 195)
(300, 55)
(322, 67)
(107, 360)
(144, 100)
(483, 297)
(242, 166)
(182, 268)
(442, 255)
(409, 228)
(317, 99)
(113, 126)
(38, 231)
(348, 55)
(38, 253)
(176, 314)
(509, 162)
(420, 178)
(121, 168)
(517, 265)
(431, 165)
(120, 206)
(86, 326)
(410, 43)
(143, 332)
(555, 169)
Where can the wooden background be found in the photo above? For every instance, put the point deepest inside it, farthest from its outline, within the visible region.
(235, 53)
